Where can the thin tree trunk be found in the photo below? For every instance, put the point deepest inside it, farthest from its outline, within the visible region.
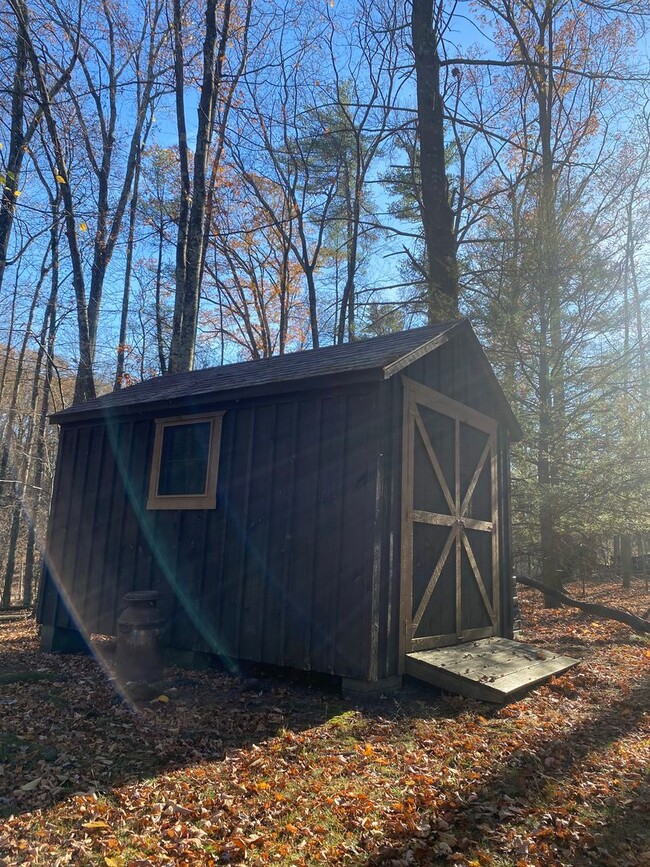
(10, 338)
(85, 383)
(626, 559)
(10, 568)
(160, 343)
(285, 293)
(551, 386)
(48, 335)
(124, 318)
(185, 180)
(353, 216)
(8, 441)
(16, 478)
(15, 155)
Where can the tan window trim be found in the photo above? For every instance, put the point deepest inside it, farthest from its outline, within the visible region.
(207, 500)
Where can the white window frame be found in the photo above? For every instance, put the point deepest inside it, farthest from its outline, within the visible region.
(206, 500)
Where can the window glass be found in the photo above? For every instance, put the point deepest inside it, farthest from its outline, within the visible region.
(185, 462)
(184, 459)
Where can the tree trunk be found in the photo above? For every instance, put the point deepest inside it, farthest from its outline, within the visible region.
(8, 441)
(15, 155)
(85, 383)
(128, 265)
(190, 243)
(439, 238)
(185, 182)
(626, 559)
(639, 624)
(10, 566)
(160, 343)
(10, 339)
(16, 477)
(46, 349)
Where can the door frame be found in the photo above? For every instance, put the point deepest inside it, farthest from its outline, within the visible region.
(415, 393)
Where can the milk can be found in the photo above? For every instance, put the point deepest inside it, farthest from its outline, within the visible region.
(140, 637)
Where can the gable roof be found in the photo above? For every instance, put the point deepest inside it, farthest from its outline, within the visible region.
(376, 358)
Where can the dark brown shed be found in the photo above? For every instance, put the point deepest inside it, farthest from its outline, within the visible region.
(332, 510)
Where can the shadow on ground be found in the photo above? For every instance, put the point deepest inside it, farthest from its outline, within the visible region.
(520, 793)
(65, 729)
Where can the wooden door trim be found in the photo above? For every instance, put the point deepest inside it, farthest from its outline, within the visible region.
(448, 520)
(415, 393)
(429, 643)
(437, 401)
(406, 530)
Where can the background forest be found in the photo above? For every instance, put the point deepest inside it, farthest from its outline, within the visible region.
(194, 183)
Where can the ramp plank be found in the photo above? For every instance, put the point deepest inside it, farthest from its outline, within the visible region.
(492, 669)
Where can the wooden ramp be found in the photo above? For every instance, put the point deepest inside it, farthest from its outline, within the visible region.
(493, 669)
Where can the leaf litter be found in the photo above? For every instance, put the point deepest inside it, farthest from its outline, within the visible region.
(223, 769)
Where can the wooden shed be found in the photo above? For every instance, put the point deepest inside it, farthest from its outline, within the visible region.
(332, 510)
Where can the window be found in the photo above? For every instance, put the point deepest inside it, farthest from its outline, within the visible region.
(185, 462)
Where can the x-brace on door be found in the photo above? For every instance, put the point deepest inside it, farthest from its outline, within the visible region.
(450, 549)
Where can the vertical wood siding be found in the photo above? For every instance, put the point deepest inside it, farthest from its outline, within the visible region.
(299, 564)
(280, 572)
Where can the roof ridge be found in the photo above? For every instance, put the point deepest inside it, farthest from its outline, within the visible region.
(364, 357)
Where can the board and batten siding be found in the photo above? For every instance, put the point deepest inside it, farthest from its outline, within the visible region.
(283, 571)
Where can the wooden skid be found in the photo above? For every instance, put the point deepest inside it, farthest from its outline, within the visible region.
(492, 669)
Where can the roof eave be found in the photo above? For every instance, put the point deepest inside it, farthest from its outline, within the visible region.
(415, 354)
(166, 406)
(514, 428)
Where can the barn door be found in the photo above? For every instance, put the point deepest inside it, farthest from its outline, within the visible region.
(450, 555)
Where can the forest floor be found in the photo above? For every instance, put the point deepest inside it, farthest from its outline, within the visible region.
(219, 768)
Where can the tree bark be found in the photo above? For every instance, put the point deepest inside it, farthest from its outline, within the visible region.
(109, 218)
(15, 155)
(46, 350)
(126, 294)
(189, 260)
(85, 383)
(626, 559)
(439, 238)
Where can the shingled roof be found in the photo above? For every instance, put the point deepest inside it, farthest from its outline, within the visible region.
(374, 358)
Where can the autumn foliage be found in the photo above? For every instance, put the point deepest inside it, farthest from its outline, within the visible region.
(218, 768)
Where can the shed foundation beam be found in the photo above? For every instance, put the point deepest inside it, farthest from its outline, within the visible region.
(57, 639)
(194, 660)
(353, 688)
